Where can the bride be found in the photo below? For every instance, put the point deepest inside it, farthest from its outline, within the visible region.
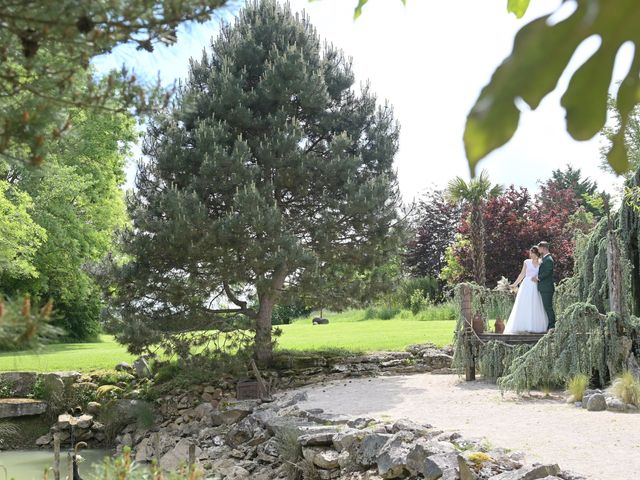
(528, 314)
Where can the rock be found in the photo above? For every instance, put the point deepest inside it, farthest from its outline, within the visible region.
(464, 470)
(361, 422)
(21, 407)
(369, 447)
(597, 403)
(54, 385)
(535, 472)
(430, 458)
(204, 411)
(325, 459)
(44, 440)
(144, 451)
(20, 383)
(177, 455)
(436, 359)
(447, 463)
(344, 459)
(345, 440)
(84, 421)
(320, 321)
(233, 412)
(410, 426)
(392, 458)
(93, 408)
(246, 430)
(616, 405)
(633, 367)
(322, 439)
(124, 367)
(142, 369)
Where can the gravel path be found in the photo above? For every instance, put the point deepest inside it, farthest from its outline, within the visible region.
(600, 445)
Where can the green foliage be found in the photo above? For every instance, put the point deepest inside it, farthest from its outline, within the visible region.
(45, 67)
(518, 7)
(418, 302)
(26, 326)
(123, 467)
(270, 171)
(382, 312)
(39, 390)
(496, 357)
(20, 236)
(425, 287)
(111, 377)
(627, 388)
(576, 386)
(546, 47)
(284, 313)
(8, 431)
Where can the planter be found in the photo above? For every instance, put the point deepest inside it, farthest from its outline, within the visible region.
(478, 324)
(499, 325)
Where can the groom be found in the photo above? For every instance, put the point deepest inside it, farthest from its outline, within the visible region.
(545, 282)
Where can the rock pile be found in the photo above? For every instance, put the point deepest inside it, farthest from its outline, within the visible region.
(85, 429)
(600, 400)
(263, 441)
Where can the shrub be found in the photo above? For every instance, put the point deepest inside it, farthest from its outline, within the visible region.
(383, 312)
(577, 385)
(290, 453)
(443, 311)
(627, 388)
(428, 286)
(283, 314)
(418, 302)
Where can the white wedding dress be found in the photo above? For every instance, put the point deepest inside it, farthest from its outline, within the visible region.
(528, 315)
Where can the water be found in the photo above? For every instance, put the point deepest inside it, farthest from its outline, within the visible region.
(30, 464)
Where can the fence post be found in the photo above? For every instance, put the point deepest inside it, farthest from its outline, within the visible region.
(192, 456)
(56, 456)
(467, 316)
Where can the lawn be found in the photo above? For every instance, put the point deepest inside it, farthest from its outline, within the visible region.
(349, 331)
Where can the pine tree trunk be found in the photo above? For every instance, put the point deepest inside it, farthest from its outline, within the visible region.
(263, 347)
(477, 243)
(615, 275)
(263, 343)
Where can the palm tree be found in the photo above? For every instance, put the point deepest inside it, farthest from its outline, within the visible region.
(475, 194)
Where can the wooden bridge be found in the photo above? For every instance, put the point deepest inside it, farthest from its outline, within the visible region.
(473, 337)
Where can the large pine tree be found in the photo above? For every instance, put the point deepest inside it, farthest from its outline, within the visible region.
(269, 166)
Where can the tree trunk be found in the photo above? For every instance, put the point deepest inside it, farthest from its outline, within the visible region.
(263, 343)
(477, 244)
(615, 275)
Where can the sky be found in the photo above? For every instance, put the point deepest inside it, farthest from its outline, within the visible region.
(429, 60)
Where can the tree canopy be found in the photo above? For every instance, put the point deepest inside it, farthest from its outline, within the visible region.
(269, 172)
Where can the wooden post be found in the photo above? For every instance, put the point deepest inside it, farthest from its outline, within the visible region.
(467, 315)
(56, 456)
(69, 466)
(192, 456)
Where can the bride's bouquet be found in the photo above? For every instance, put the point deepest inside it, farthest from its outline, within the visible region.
(505, 286)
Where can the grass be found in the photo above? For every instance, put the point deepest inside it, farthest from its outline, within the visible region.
(577, 385)
(348, 330)
(627, 388)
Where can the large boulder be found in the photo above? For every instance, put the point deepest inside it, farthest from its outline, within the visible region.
(431, 458)
(178, 455)
(232, 412)
(392, 458)
(21, 407)
(368, 449)
(534, 472)
(145, 451)
(597, 403)
(127, 410)
(326, 459)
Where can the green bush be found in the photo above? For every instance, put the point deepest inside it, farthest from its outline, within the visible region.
(383, 312)
(418, 302)
(283, 314)
(428, 286)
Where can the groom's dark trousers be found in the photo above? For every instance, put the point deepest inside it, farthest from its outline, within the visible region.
(546, 288)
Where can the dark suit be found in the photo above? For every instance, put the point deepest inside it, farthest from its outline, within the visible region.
(546, 288)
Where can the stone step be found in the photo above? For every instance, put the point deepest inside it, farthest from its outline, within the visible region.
(21, 407)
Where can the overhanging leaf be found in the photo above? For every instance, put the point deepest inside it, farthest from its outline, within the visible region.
(518, 7)
(540, 54)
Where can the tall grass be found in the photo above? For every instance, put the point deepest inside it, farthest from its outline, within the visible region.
(577, 385)
(627, 388)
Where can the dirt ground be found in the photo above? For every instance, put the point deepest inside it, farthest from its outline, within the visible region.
(600, 445)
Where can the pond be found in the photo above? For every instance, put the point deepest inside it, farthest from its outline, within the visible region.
(30, 464)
